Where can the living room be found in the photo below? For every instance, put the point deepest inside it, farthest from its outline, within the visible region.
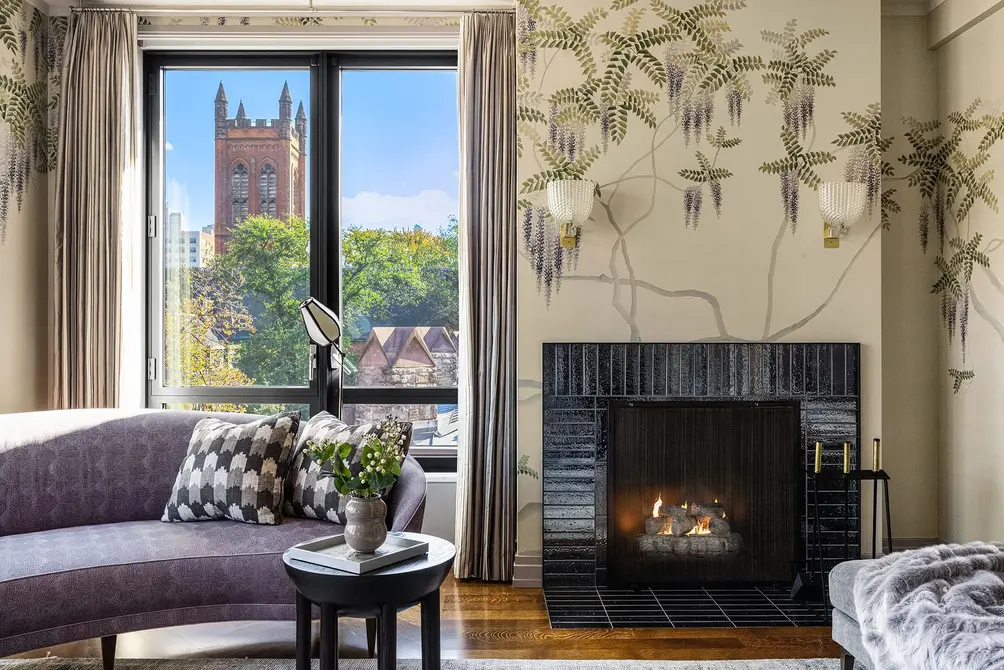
(493, 335)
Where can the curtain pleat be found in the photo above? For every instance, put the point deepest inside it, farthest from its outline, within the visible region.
(486, 468)
(96, 156)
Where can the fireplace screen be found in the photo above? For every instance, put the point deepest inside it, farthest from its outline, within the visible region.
(703, 492)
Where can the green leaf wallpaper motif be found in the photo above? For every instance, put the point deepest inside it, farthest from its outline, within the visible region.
(653, 65)
(946, 167)
(29, 98)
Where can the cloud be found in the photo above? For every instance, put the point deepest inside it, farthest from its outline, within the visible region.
(177, 197)
(168, 146)
(428, 209)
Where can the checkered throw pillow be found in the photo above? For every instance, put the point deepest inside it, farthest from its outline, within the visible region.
(308, 494)
(234, 471)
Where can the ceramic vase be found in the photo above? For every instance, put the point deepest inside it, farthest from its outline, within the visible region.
(365, 524)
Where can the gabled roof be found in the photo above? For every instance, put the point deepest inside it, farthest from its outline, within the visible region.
(437, 339)
(396, 347)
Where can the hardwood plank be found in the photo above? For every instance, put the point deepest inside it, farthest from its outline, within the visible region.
(478, 621)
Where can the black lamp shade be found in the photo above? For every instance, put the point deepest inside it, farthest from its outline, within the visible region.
(322, 324)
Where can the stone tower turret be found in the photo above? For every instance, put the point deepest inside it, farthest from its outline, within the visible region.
(221, 113)
(301, 124)
(285, 112)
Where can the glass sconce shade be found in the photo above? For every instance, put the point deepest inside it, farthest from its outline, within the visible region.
(842, 203)
(570, 200)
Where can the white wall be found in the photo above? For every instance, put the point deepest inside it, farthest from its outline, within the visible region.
(910, 373)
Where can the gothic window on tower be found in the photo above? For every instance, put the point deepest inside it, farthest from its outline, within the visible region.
(239, 189)
(266, 187)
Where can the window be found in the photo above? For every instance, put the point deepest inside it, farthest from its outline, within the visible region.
(376, 239)
(239, 191)
(266, 189)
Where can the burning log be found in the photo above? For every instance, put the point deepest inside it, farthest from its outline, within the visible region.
(719, 527)
(691, 545)
(714, 510)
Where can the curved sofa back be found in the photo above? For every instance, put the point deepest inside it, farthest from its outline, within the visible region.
(77, 467)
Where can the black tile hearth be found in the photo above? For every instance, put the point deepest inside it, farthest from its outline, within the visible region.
(719, 607)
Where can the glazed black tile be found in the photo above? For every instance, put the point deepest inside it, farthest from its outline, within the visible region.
(702, 623)
(591, 623)
(575, 365)
(569, 498)
(646, 369)
(603, 370)
(784, 371)
(632, 371)
(673, 353)
(851, 352)
(811, 369)
(618, 374)
(687, 355)
(561, 369)
(756, 369)
(797, 369)
(700, 370)
(589, 369)
(659, 369)
(837, 378)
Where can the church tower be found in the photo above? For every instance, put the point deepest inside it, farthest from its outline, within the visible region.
(261, 165)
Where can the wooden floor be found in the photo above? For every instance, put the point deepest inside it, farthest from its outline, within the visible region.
(478, 621)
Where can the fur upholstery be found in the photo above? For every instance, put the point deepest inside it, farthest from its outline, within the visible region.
(936, 608)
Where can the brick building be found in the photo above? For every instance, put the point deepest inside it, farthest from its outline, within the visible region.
(261, 165)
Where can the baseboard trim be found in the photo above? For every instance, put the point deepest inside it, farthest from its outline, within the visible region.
(528, 571)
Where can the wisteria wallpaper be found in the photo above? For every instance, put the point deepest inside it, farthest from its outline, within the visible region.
(32, 44)
(707, 127)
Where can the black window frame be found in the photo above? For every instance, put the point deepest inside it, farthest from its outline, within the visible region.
(324, 214)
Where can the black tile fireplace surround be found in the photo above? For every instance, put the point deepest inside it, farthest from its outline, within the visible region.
(581, 381)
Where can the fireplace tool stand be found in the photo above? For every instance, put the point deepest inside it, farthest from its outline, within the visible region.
(808, 586)
(875, 476)
(811, 584)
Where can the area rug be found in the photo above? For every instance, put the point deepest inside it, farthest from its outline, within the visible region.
(351, 664)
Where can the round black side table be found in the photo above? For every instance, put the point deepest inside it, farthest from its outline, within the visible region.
(379, 594)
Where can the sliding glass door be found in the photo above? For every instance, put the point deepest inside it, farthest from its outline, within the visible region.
(274, 178)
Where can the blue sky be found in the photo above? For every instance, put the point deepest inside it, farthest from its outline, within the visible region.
(399, 154)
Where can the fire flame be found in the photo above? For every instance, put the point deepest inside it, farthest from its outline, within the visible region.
(703, 527)
(656, 507)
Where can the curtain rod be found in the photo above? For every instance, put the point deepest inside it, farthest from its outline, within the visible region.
(292, 12)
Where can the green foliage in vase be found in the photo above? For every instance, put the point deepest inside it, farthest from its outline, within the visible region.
(379, 463)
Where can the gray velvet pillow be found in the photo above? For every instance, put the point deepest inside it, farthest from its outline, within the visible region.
(234, 471)
(310, 495)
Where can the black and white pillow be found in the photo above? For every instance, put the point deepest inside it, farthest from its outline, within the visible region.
(235, 471)
(308, 494)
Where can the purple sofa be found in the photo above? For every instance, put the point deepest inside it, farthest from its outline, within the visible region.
(83, 553)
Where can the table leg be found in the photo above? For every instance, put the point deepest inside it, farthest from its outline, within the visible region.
(329, 638)
(430, 631)
(303, 637)
(387, 649)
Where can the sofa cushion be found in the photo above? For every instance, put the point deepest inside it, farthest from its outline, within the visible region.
(234, 471)
(842, 586)
(67, 576)
(308, 493)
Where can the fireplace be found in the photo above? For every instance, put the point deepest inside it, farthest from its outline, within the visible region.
(788, 395)
(702, 492)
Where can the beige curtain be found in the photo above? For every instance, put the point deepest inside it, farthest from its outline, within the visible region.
(486, 469)
(96, 159)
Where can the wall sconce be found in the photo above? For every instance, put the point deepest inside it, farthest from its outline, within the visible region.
(570, 202)
(842, 204)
